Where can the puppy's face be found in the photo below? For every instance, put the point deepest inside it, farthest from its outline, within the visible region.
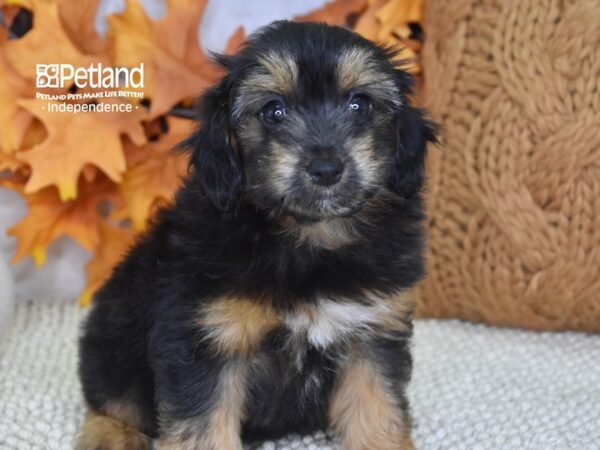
(316, 140)
(318, 121)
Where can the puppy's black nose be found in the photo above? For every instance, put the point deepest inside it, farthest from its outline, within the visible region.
(325, 172)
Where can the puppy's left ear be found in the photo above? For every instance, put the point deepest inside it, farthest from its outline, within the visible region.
(213, 155)
(413, 132)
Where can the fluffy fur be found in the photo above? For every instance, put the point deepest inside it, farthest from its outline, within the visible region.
(264, 302)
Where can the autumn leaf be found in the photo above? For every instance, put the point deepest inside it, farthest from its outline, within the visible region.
(14, 120)
(335, 13)
(8, 162)
(49, 217)
(175, 68)
(398, 12)
(75, 140)
(113, 245)
(46, 43)
(368, 24)
(79, 22)
(386, 22)
(156, 175)
(236, 40)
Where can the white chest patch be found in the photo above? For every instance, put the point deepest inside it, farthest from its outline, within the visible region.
(329, 322)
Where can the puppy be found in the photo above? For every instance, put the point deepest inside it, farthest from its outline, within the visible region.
(274, 296)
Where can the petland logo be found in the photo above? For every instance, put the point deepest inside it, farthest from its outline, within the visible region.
(95, 76)
(89, 89)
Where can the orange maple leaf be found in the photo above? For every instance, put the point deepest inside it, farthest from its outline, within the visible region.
(384, 22)
(113, 245)
(236, 40)
(339, 12)
(49, 217)
(155, 176)
(46, 43)
(14, 120)
(79, 22)
(75, 140)
(175, 67)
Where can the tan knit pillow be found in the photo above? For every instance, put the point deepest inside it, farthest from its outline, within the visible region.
(514, 191)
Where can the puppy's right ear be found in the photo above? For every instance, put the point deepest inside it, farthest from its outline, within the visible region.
(213, 156)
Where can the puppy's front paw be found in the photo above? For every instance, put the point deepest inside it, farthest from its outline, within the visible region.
(105, 433)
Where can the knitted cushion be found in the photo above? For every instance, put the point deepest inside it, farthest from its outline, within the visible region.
(514, 192)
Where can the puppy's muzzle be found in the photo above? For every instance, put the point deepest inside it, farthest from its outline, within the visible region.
(325, 171)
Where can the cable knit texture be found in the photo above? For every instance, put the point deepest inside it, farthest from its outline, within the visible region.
(474, 387)
(514, 191)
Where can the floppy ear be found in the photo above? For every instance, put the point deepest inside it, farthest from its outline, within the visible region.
(413, 132)
(213, 156)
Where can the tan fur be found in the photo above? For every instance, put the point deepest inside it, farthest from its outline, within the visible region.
(283, 163)
(356, 68)
(277, 73)
(369, 166)
(235, 326)
(104, 432)
(220, 428)
(282, 69)
(400, 306)
(330, 234)
(365, 413)
(124, 410)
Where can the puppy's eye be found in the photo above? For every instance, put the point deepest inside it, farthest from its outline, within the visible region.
(360, 103)
(273, 112)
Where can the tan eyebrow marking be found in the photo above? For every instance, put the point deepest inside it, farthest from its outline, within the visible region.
(357, 68)
(277, 72)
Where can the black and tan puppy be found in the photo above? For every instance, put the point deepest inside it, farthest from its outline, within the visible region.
(274, 295)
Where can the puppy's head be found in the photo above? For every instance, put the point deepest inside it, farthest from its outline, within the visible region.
(311, 121)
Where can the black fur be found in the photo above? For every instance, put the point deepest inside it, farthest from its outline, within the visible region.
(216, 240)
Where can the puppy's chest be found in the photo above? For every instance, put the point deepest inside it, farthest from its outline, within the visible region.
(240, 326)
(328, 323)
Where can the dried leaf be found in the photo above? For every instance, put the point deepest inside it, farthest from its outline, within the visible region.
(175, 68)
(14, 120)
(75, 140)
(79, 22)
(335, 13)
(114, 243)
(236, 41)
(46, 43)
(49, 217)
(368, 24)
(382, 21)
(155, 177)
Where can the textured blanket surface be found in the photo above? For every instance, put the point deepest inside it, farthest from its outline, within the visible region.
(474, 387)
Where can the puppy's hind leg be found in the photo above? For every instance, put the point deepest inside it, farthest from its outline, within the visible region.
(113, 429)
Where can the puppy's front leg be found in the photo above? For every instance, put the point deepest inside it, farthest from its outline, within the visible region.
(218, 426)
(368, 410)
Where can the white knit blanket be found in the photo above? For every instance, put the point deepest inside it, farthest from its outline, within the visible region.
(473, 387)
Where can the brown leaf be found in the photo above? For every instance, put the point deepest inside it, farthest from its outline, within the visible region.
(236, 40)
(75, 140)
(14, 120)
(337, 12)
(49, 217)
(113, 245)
(175, 68)
(79, 22)
(155, 177)
(46, 43)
